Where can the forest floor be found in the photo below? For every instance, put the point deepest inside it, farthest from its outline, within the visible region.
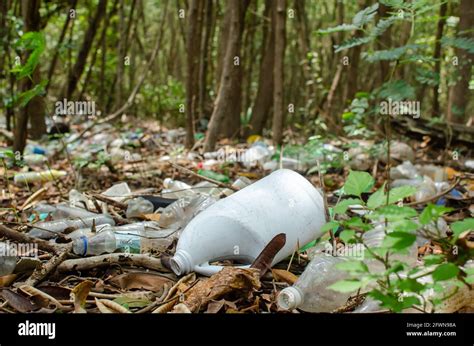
(143, 156)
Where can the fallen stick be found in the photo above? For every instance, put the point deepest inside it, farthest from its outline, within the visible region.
(218, 183)
(441, 194)
(40, 273)
(115, 258)
(23, 238)
(110, 201)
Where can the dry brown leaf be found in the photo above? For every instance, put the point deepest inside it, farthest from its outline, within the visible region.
(79, 295)
(18, 302)
(229, 279)
(147, 281)
(32, 291)
(180, 309)
(284, 275)
(152, 217)
(7, 280)
(177, 290)
(110, 307)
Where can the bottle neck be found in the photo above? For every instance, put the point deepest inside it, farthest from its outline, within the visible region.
(181, 263)
(290, 298)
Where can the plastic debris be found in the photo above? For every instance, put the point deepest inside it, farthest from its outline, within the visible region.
(183, 210)
(137, 207)
(241, 225)
(50, 229)
(33, 177)
(7, 259)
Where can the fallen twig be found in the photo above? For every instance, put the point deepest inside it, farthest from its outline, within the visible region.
(23, 238)
(218, 183)
(42, 272)
(138, 260)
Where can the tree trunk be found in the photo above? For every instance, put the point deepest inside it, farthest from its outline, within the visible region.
(278, 106)
(385, 42)
(204, 60)
(227, 85)
(263, 100)
(34, 110)
(78, 68)
(437, 56)
(192, 48)
(54, 60)
(461, 92)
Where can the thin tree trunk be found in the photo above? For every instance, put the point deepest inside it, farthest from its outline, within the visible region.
(461, 92)
(437, 56)
(278, 97)
(192, 48)
(34, 110)
(80, 64)
(385, 42)
(263, 99)
(204, 60)
(226, 89)
(54, 60)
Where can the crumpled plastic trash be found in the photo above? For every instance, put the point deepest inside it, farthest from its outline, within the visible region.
(179, 213)
(7, 259)
(138, 207)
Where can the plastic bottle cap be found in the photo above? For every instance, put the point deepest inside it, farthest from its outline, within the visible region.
(290, 298)
(181, 263)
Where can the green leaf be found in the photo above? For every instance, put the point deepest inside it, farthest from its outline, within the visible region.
(432, 213)
(433, 259)
(352, 42)
(358, 223)
(346, 286)
(410, 285)
(339, 28)
(408, 302)
(353, 266)
(366, 15)
(445, 272)
(398, 240)
(342, 206)
(393, 213)
(35, 42)
(401, 192)
(404, 226)
(390, 54)
(331, 225)
(346, 236)
(27, 95)
(377, 198)
(459, 227)
(358, 183)
(459, 42)
(397, 90)
(386, 300)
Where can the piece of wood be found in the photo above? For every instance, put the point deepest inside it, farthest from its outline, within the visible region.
(23, 238)
(114, 258)
(40, 273)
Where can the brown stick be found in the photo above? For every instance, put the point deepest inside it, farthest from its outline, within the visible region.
(218, 183)
(115, 258)
(110, 201)
(23, 238)
(44, 270)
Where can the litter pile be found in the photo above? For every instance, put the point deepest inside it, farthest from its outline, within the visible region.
(228, 235)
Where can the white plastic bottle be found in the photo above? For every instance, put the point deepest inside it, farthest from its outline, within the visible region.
(310, 292)
(241, 225)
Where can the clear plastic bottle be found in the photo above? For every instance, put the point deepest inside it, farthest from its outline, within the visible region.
(176, 189)
(179, 213)
(102, 242)
(47, 229)
(310, 292)
(406, 170)
(139, 206)
(7, 260)
(32, 177)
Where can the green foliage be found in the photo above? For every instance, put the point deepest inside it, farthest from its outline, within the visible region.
(397, 90)
(352, 42)
(35, 43)
(445, 271)
(391, 54)
(459, 42)
(355, 118)
(365, 16)
(358, 183)
(26, 96)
